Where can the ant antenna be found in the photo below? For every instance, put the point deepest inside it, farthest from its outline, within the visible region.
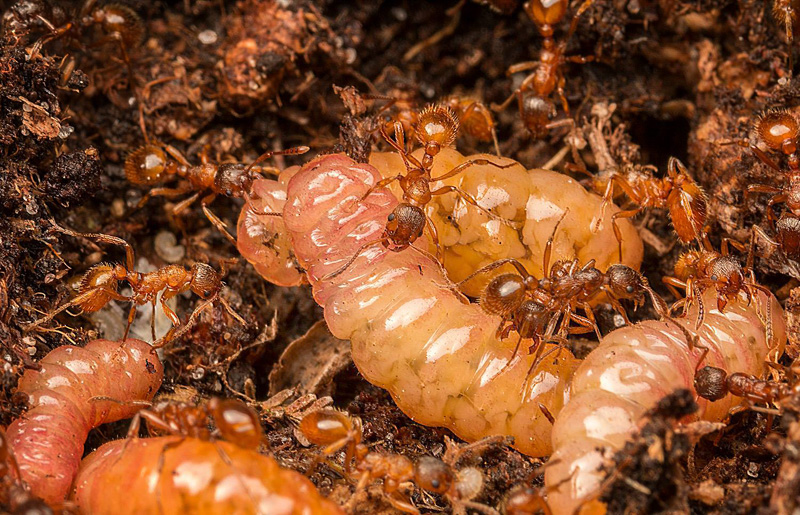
(288, 152)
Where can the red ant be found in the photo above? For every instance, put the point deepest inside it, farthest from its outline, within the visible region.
(533, 95)
(234, 421)
(101, 282)
(151, 164)
(533, 307)
(475, 119)
(698, 270)
(437, 128)
(336, 430)
(677, 192)
(526, 500)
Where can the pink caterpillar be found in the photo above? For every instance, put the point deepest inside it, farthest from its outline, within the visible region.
(48, 439)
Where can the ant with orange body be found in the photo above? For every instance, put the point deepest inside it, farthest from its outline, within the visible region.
(533, 307)
(173, 415)
(475, 119)
(778, 130)
(698, 270)
(151, 164)
(533, 94)
(526, 500)
(677, 192)
(437, 128)
(335, 430)
(713, 383)
(100, 285)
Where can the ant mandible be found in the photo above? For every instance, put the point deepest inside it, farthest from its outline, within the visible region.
(151, 164)
(100, 285)
(533, 94)
(336, 430)
(677, 192)
(437, 128)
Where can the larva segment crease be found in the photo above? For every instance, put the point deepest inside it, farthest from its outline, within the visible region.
(62, 410)
(177, 475)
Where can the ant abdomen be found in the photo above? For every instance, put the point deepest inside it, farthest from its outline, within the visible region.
(503, 295)
(146, 165)
(102, 279)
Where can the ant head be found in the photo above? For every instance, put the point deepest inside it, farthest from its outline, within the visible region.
(437, 127)
(546, 13)
(405, 224)
(205, 281)
(710, 383)
(504, 294)
(531, 318)
(624, 282)
(728, 277)
(327, 426)
(234, 179)
(536, 112)
(788, 233)
(433, 475)
(236, 422)
(688, 264)
(779, 130)
(146, 165)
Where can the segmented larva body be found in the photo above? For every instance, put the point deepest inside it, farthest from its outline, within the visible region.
(262, 238)
(636, 366)
(411, 333)
(177, 475)
(48, 439)
(537, 199)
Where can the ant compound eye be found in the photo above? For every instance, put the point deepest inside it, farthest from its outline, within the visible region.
(391, 217)
(629, 289)
(714, 278)
(435, 483)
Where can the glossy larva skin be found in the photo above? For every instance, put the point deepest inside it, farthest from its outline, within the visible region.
(262, 239)
(535, 198)
(126, 477)
(632, 369)
(48, 439)
(410, 333)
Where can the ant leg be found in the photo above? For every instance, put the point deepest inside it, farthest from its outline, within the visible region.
(214, 219)
(522, 67)
(758, 232)
(287, 152)
(472, 162)
(619, 309)
(401, 504)
(673, 283)
(548, 248)
(574, 23)
(183, 189)
(183, 205)
(617, 231)
(435, 239)
(764, 158)
(471, 200)
(730, 242)
(77, 301)
(590, 318)
(350, 261)
(173, 317)
(131, 317)
(102, 238)
(497, 264)
(777, 199)
(179, 157)
(381, 184)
